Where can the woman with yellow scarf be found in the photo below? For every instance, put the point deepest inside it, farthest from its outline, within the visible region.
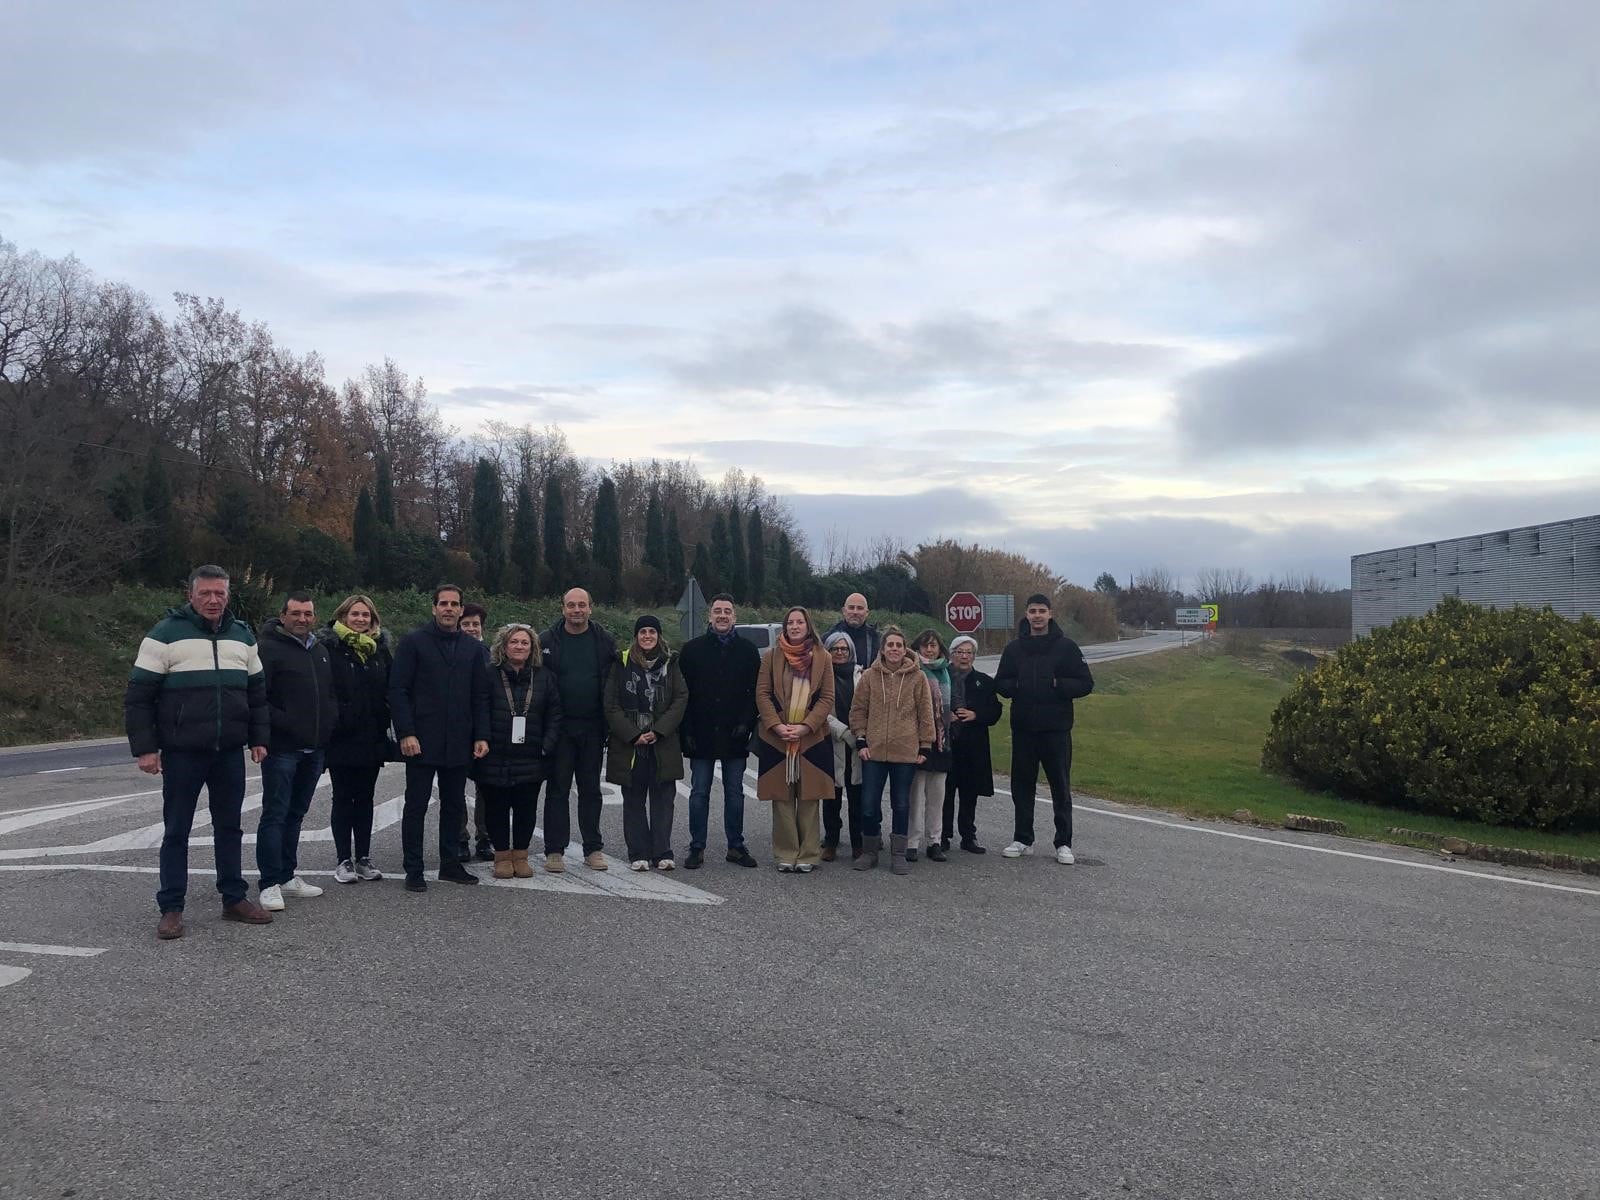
(794, 753)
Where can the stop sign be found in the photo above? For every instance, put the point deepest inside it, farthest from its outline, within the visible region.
(964, 612)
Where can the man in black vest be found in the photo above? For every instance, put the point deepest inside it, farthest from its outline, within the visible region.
(1043, 672)
(439, 702)
(304, 712)
(720, 669)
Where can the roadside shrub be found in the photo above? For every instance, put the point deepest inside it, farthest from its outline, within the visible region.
(1466, 712)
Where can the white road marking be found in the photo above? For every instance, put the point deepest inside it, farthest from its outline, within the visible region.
(58, 770)
(10, 975)
(63, 951)
(1267, 841)
(27, 817)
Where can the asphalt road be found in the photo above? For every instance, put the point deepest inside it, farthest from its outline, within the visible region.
(1193, 1011)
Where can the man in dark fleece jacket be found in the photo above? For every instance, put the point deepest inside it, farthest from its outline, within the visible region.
(304, 712)
(580, 653)
(196, 698)
(1043, 672)
(439, 702)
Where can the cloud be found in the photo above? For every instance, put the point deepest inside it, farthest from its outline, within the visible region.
(567, 256)
(523, 404)
(816, 349)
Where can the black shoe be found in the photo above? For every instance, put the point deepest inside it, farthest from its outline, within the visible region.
(694, 861)
(456, 873)
(972, 847)
(742, 857)
(485, 853)
(944, 843)
(416, 883)
(936, 853)
(911, 854)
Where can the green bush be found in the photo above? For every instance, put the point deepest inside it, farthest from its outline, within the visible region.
(1468, 712)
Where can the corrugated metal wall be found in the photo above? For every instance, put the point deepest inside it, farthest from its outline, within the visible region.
(1556, 564)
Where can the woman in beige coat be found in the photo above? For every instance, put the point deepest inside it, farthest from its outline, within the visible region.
(794, 752)
(892, 718)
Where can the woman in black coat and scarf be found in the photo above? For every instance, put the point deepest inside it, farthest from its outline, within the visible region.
(358, 651)
(974, 710)
(524, 723)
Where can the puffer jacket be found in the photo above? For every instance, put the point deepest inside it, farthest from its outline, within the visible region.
(893, 711)
(361, 736)
(196, 688)
(625, 686)
(1042, 676)
(299, 690)
(508, 763)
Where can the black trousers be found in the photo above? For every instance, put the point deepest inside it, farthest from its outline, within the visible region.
(452, 799)
(968, 816)
(353, 789)
(510, 813)
(834, 814)
(647, 819)
(579, 751)
(1052, 750)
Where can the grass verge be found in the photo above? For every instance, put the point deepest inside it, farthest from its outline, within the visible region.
(1183, 730)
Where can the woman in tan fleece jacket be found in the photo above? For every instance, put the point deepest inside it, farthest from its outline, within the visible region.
(892, 718)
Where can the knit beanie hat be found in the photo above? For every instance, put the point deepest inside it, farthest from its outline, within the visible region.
(648, 621)
(964, 640)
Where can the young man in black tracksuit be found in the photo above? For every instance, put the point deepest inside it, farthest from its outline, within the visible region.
(1043, 672)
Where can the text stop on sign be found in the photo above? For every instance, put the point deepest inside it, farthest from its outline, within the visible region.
(964, 612)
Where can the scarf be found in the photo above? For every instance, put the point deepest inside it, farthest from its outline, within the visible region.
(362, 645)
(938, 672)
(844, 689)
(652, 675)
(798, 660)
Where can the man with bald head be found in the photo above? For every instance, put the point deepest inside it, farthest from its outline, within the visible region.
(853, 624)
(580, 653)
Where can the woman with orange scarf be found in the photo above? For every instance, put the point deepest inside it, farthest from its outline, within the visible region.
(794, 753)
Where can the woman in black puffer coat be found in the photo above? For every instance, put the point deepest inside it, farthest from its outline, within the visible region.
(358, 651)
(524, 723)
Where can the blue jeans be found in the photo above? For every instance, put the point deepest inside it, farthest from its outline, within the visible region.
(874, 775)
(183, 774)
(288, 781)
(700, 770)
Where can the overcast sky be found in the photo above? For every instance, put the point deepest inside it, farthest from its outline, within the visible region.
(1233, 283)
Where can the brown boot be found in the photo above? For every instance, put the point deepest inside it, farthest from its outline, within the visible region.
(247, 912)
(828, 853)
(171, 926)
(519, 865)
(502, 864)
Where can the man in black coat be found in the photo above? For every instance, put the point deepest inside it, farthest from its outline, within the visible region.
(720, 669)
(863, 635)
(439, 701)
(974, 710)
(304, 711)
(1043, 672)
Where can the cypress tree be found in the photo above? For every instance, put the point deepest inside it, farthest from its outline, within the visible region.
(721, 564)
(364, 530)
(702, 569)
(738, 577)
(785, 569)
(655, 535)
(555, 532)
(608, 539)
(524, 545)
(756, 543)
(158, 550)
(488, 526)
(675, 570)
(383, 492)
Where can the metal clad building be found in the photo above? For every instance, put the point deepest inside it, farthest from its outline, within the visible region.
(1556, 564)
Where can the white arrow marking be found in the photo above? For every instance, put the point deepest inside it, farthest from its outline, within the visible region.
(10, 975)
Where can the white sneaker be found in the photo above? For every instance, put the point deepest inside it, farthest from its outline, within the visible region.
(1016, 850)
(1064, 856)
(299, 889)
(666, 864)
(345, 872)
(639, 864)
(366, 871)
(272, 898)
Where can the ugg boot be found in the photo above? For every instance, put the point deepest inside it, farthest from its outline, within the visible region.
(502, 864)
(897, 854)
(519, 865)
(868, 857)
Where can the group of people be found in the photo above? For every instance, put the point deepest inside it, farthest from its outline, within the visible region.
(835, 721)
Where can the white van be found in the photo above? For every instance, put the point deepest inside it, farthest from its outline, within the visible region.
(763, 637)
